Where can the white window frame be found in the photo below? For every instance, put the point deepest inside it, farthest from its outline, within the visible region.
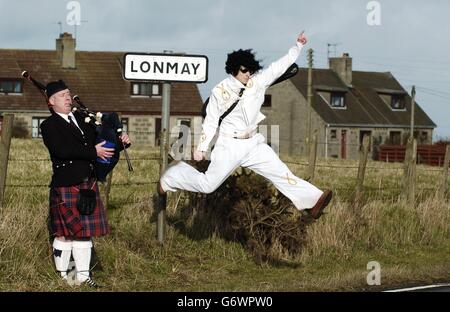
(36, 126)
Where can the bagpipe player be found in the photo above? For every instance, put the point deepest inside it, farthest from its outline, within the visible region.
(76, 211)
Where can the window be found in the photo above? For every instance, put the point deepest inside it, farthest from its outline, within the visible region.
(424, 137)
(267, 100)
(156, 89)
(333, 134)
(10, 86)
(36, 129)
(337, 100)
(183, 122)
(397, 101)
(145, 88)
(183, 135)
(186, 122)
(395, 137)
(124, 122)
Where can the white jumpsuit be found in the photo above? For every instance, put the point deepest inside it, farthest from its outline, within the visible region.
(230, 153)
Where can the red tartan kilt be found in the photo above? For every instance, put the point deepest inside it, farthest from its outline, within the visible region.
(64, 218)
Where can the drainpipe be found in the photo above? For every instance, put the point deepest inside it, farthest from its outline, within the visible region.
(326, 140)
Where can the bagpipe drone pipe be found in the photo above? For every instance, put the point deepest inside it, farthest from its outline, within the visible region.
(107, 128)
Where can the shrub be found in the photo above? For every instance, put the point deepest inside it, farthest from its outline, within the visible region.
(247, 208)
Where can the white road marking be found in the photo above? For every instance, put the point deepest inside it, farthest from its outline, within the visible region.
(418, 288)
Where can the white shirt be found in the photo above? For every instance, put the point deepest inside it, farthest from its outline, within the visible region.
(66, 118)
(246, 115)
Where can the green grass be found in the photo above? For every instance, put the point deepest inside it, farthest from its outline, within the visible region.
(412, 244)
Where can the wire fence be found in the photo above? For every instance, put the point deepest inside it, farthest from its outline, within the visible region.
(113, 184)
(286, 162)
(304, 164)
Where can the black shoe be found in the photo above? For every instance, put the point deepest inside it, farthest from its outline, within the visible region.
(323, 201)
(91, 283)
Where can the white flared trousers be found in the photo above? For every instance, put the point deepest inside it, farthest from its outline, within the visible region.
(229, 154)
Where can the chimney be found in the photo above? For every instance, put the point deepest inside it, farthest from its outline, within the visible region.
(65, 49)
(343, 67)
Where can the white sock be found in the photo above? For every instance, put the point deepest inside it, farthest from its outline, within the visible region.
(61, 254)
(81, 251)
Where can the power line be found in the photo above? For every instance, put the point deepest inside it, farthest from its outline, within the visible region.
(404, 68)
(437, 95)
(396, 60)
(437, 91)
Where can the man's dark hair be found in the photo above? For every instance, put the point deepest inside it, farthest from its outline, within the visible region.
(239, 58)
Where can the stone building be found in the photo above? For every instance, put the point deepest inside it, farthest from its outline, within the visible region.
(346, 105)
(97, 78)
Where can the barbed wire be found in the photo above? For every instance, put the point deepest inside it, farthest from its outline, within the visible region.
(174, 135)
(357, 167)
(46, 185)
(367, 189)
(286, 162)
(48, 159)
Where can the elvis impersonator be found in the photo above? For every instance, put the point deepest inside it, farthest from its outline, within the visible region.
(238, 143)
(71, 144)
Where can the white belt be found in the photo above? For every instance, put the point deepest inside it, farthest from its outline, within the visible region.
(240, 136)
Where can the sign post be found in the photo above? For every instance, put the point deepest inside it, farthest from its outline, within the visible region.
(165, 126)
(167, 68)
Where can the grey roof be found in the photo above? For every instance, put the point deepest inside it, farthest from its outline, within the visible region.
(364, 106)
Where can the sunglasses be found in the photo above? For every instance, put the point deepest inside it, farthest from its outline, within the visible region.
(245, 70)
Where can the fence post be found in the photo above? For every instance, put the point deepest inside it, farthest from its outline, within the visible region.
(5, 143)
(363, 154)
(312, 158)
(444, 186)
(410, 171)
(406, 163)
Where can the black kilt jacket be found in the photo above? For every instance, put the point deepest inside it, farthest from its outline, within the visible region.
(72, 154)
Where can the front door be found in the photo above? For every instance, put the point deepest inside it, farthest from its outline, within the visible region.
(157, 131)
(344, 144)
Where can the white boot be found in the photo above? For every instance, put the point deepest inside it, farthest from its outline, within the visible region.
(62, 250)
(82, 255)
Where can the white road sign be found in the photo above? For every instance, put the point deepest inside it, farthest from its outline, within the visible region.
(165, 67)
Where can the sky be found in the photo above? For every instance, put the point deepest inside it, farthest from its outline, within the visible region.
(410, 38)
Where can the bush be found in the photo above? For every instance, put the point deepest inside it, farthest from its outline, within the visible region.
(248, 209)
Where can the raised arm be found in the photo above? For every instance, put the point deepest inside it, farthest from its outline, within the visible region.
(277, 68)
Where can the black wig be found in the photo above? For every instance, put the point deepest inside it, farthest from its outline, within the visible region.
(239, 58)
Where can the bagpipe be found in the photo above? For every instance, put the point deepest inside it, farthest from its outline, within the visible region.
(107, 128)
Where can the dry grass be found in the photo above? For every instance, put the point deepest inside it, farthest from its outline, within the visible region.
(412, 244)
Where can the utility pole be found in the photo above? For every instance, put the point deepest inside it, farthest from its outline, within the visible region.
(410, 158)
(413, 95)
(309, 98)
